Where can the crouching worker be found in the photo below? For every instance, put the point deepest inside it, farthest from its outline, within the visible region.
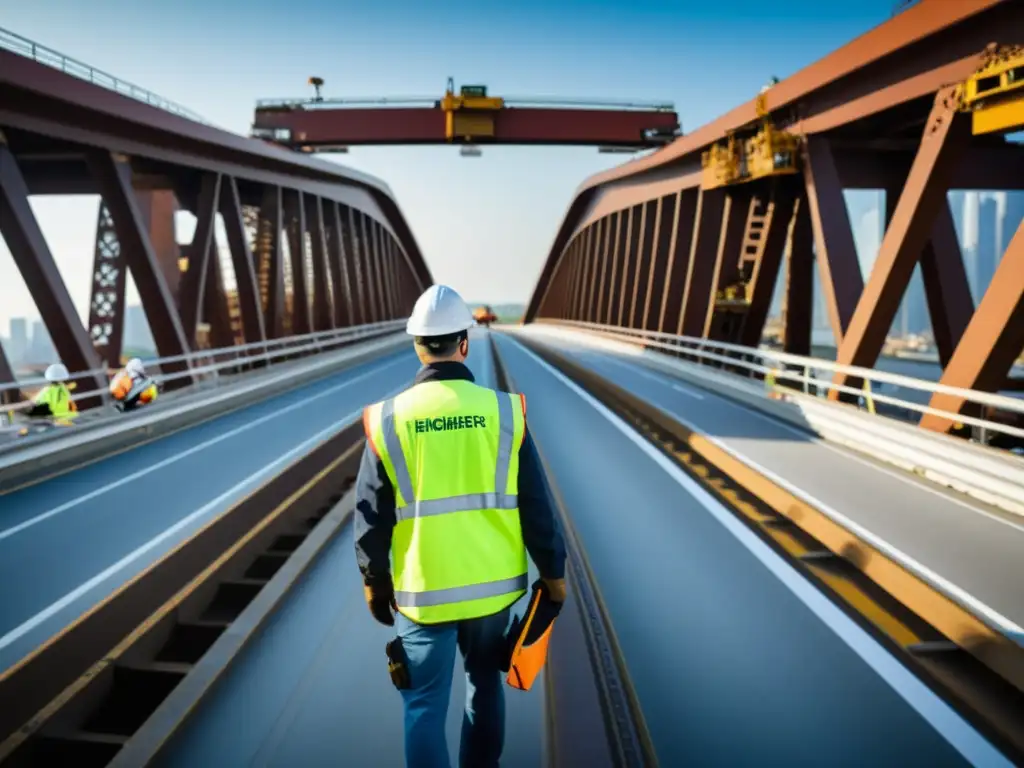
(131, 387)
(54, 400)
(450, 490)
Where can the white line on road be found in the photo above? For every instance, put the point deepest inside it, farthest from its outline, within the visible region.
(188, 452)
(232, 492)
(943, 718)
(638, 369)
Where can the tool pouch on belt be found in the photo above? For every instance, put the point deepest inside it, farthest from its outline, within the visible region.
(527, 639)
(396, 664)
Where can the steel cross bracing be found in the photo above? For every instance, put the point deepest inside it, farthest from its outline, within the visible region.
(690, 239)
(313, 246)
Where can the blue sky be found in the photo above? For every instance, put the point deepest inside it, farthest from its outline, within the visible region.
(484, 224)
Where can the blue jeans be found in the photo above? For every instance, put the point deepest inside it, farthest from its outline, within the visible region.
(430, 654)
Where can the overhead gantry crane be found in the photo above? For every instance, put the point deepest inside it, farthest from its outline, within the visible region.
(468, 118)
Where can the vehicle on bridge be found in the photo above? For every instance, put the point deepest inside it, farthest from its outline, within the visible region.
(484, 316)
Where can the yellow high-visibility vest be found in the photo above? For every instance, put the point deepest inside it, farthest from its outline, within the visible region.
(58, 397)
(451, 451)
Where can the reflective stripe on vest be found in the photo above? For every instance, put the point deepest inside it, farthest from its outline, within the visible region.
(458, 555)
(410, 507)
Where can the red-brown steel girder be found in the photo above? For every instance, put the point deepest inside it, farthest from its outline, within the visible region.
(883, 75)
(924, 194)
(193, 282)
(798, 312)
(993, 339)
(35, 262)
(243, 263)
(354, 126)
(113, 177)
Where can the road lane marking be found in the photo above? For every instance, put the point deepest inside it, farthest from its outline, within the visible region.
(5, 534)
(82, 589)
(940, 715)
(662, 379)
(844, 451)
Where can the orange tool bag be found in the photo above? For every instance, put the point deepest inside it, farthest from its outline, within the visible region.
(528, 639)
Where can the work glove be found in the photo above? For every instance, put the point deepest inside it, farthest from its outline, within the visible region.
(555, 590)
(380, 598)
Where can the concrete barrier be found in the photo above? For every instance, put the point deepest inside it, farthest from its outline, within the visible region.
(986, 474)
(37, 459)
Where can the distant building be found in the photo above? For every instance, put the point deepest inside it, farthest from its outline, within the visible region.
(17, 344)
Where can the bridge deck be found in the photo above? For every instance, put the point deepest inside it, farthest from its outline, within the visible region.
(971, 550)
(734, 659)
(68, 542)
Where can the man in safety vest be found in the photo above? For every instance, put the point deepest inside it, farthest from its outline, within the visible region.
(55, 398)
(450, 489)
(131, 387)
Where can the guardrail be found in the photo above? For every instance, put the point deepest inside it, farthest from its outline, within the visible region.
(804, 372)
(205, 367)
(30, 49)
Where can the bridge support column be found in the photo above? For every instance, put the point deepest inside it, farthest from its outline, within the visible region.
(798, 313)
(246, 284)
(642, 263)
(106, 305)
(678, 261)
(736, 212)
(271, 261)
(342, 258)
(323, 312)
(377, 245)
(354, 257)
(193, 282)
(35, 262)
(707, 232)
(630, 247)
(295, 213)
(336, 264)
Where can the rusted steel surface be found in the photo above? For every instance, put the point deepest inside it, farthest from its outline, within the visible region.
(883, 112)
(425, 125)
(63, 135)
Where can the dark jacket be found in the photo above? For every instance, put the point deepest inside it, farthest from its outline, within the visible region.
(375, 502)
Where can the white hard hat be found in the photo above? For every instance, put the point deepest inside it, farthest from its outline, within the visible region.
(440, 311)
(135, 366)
(57, 372)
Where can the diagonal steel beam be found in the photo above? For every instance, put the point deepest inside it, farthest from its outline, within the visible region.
(992, 341)
(354, 249)
(678, 261)
(836, 254)
(946, 135)
(798, 313)
(766, 269)
(242, 261)
(113, 176)
(193, 282)
(736, 210)
(106, 303)
(323, 313)
(35, 262)
(271, 260)
(707, 232)
(338, 257)
(295, 214)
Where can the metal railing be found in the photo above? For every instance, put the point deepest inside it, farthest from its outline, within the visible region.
(805, 373)
(207, 367)
(30, 49)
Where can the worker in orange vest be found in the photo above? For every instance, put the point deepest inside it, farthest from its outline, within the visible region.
(131, 387)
